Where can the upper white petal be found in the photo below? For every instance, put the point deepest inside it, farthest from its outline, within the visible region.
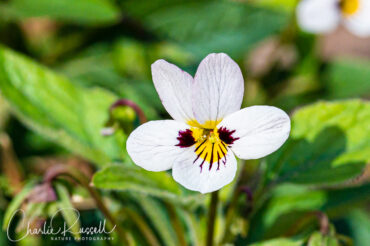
(318, 16)
(359, 22)
(152, 145)
(261, 130)
(218, 88)
(204, 180)
(174, 88)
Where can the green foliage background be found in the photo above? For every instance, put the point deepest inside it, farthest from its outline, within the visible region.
(63, 63)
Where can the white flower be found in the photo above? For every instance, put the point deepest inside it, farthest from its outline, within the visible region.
(322, 16)
(208, 126)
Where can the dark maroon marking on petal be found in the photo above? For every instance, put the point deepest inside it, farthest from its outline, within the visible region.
(211, 161)
(218, 160)
(224, 161)
(199, 155)
(185, 138)
(226, 135)
(223, 144)
(200, 145)
(201, 164)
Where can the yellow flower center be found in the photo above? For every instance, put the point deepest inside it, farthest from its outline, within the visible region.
(208, 145)
(211, 143)
(349, 7)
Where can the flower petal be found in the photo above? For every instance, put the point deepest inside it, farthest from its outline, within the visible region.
(218, 88)
(152, 145)
(359, 22)
(192, 176)
(174, 88)
(261, 130)
(318, 16)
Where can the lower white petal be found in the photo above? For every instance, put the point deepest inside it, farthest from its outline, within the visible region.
(204, 178)
(259, 130)
(152, 145)
(318, 16)
(359, 22)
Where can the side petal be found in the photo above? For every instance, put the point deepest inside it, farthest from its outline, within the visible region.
(218, 88)
(200, 177)
(152, 145)
(359, 22)
(174, 89)
(259, 131)
(318, 16)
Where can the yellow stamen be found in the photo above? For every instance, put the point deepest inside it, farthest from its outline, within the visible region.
(208, 147)
(349, 7)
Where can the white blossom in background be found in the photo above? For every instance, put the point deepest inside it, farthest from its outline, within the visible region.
(208, 126)
(323, 16)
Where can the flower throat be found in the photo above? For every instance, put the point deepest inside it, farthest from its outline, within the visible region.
(210, 144)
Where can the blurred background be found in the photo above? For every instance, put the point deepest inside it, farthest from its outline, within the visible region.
(63, 63)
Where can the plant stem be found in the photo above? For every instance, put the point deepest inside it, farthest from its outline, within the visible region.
(211, 218)
(78, 176)
(230, 215)
(324, 222)
(232, 205)
(145, 230)
(176, 224)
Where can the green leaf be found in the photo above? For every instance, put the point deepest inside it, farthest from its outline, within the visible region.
(69, 213)
(73, 11)
(317, 239)
(3, 235)
(57, 109)
(328, 144)
(208, 26)
(279, 242)
(16, 203)
(159, 217)
(359, 223)
(291, 203)
(157, 184)
(348, 78)
(95, 67)
(287, 5)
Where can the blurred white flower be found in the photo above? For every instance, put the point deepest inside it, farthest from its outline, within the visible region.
(208, 126)
(322, 16)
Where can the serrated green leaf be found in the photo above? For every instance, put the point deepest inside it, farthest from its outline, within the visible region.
(73, 11)
(69, 213)
(328, 144)
(157, 184)
(57, 109)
